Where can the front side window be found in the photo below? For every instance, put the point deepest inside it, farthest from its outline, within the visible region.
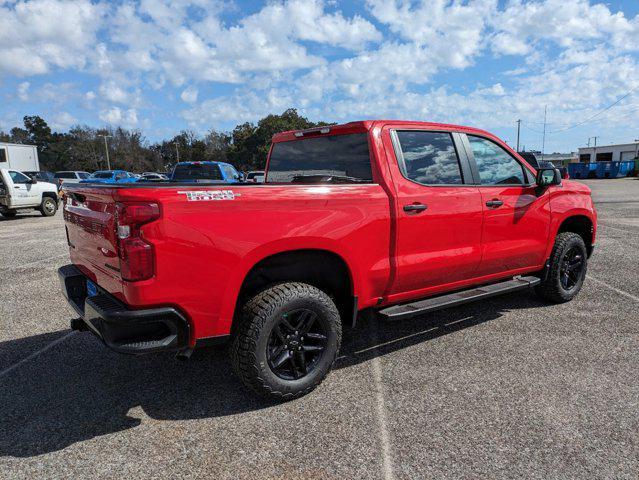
(327, 159)
(495, 165)
(65, 175)
(17, 177)
(430, 158)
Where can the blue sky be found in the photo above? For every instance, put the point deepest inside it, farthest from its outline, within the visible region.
(162, 66)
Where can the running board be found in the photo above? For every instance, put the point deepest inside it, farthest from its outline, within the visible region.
(407, 310)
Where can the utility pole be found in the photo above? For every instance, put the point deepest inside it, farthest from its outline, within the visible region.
(106, 149)
(518, 129)
(595, 150)
(543, 144)
(177, 152)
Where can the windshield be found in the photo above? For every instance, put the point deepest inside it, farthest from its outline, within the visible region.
(332, 159)
(196, 171)
(102, 175)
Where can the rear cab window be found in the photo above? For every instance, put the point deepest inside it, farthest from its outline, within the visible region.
(334, 159)
(196, 172)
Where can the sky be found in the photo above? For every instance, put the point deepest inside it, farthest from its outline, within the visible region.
(163, 66)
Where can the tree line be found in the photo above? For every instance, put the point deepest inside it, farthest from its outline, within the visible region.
(82, 147)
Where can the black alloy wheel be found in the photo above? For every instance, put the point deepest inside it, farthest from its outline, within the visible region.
(570, 270)
(296, 344)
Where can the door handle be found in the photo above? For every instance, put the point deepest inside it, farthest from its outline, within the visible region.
(415, 207)
(494, 203)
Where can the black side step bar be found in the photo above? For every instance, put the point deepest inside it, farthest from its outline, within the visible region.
(407, 310)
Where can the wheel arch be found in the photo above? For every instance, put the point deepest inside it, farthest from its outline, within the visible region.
(581, 225)
(324, 269)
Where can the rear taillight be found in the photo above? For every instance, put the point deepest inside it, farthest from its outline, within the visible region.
(137, 259)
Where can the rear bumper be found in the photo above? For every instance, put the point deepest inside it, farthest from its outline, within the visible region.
(120, 328)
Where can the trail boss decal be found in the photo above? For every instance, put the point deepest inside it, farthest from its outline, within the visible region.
(208, 195)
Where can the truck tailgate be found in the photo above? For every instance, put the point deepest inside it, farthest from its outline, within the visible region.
(91, 231)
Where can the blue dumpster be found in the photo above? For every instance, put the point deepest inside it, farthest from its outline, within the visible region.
(608, 169)
(627, 168)
(582, 170)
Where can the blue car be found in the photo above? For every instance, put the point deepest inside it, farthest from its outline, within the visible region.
(110, 176)
(215, 172)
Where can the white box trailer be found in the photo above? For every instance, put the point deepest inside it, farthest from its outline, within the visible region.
(14, 156)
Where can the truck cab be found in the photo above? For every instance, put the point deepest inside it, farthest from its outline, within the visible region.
(21, 192)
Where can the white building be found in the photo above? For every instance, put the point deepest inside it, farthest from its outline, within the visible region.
(610, 153)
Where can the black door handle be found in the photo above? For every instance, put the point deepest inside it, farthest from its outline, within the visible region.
(494, 203)
(415, 207)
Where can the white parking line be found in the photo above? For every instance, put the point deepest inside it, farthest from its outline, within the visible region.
(36, 353)
(385, 444)
(614, 289)
(387, 458)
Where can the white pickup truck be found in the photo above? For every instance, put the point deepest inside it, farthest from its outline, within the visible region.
(18, 191)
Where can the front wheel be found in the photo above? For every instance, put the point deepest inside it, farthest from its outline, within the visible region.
(568, 265)
(48, 207)
(287, 340)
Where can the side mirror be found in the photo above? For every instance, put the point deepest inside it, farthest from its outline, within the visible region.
(547, 177)
(32, 180)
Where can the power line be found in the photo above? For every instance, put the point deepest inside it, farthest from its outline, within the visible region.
(596, 114)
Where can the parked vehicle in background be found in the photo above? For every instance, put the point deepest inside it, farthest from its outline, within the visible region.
(256, 176)
(19, 191)
(15, 156)
(398, 218)
(197, 172)
(42, 176)
(71, 176)
(110, 176)
(153, 177)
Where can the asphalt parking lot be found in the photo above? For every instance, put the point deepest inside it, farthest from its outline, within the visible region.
(505, 388)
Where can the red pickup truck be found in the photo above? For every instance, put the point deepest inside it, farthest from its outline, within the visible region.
(395, 217)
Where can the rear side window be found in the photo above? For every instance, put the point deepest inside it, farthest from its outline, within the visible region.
(196, 171)
(3, 155)
(329, 159)
(83, 175)
(495, 165)
(429, 158)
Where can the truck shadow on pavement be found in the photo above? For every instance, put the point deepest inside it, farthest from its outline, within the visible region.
(79, 390)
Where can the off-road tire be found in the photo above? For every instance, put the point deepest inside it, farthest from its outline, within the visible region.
(248, 349)
(48, 207)
(551, 288)
(9, 213)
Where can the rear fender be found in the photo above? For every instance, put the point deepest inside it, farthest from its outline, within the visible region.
(285, 245)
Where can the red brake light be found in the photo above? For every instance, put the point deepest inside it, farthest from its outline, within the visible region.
(137, 259)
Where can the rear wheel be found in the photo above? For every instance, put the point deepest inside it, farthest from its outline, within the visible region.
(287, 340)
(48, 207)
(568, 265)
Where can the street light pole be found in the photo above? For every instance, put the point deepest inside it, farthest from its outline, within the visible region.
(106, 149)
(177, 152)
(518, 128)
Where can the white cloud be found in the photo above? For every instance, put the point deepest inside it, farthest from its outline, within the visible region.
(118, 117)
(23, 91)
(39, 35)
(189, 94)
(63, 121)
